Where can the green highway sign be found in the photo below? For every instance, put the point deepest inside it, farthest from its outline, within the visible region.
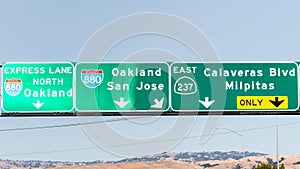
(234, 86)
(149, 87)
(37, 87)
(122, 87)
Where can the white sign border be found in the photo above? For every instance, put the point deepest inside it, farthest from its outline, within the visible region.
(241, 110)
(36, 111)
(168, 107)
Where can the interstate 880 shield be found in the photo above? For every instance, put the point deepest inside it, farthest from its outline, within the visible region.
(13, 87)
(92, 78)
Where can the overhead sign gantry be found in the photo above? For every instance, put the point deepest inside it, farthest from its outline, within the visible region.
(149, 87)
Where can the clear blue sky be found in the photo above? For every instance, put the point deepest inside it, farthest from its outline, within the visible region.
(56, 30)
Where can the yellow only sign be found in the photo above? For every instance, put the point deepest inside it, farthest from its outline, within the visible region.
(262, 102)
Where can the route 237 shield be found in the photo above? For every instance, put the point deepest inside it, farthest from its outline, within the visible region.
(13, 87)
(92, 78)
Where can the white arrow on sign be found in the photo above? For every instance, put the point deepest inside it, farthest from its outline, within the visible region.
(121, 103)
(206, 103)
(158, 104)
(38, 104)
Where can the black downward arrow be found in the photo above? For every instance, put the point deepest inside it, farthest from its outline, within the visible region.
(276, 102)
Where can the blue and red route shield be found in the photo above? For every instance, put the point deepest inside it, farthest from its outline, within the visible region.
(92, 78)
(13, 87)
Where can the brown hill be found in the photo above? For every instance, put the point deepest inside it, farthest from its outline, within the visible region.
(290, 162)
(136, 165)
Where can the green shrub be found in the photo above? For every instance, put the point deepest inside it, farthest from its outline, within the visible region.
(268, 166)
